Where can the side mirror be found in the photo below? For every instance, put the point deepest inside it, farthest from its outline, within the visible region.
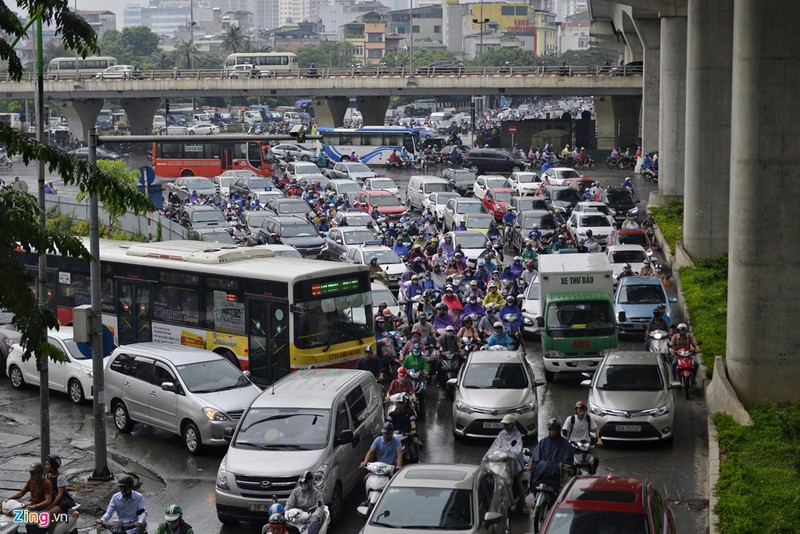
(622, 317)
(363, 511)
(673, 299)
(168, 386)
(538, 383)
(345, 436)
(586, 383)
(453, 382)
(674, 384)
(492, 518)
(540, 322)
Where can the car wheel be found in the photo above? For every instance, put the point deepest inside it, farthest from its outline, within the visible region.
(335, 506)
(475, 169)
(75, 390)
(121, 418)
(17, 380)
(345, 158)
(305, 158)
(191, 438)
(549, 376)
(191, 132)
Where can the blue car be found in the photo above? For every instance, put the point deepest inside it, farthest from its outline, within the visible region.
(635, 300)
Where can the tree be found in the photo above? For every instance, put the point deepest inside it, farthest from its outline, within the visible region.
(129, 46)
(420, 57)
(19, 212)
(233, 40)
(185, 51)
(588, 58)
(328, 54)
(513, 56)
(162, 60)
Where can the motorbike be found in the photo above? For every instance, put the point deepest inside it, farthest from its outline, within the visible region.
(508, 462)
(298, 518)
(510, 322)
(418, 380)
(5, 161)
(380, 474)
(650, 175)
(658, 343)
(449, 365)
(591, 164)
(621, 163)
(117, 527)
(544, 496)
(583, 459)
(685, 369)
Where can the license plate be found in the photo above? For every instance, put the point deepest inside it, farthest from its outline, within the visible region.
(493, 425)
(629, 428)
(259, 507)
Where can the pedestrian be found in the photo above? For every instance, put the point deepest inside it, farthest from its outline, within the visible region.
(19, 185)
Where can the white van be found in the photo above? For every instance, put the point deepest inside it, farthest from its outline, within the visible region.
(419, 187)
(292, 117)
(317, 420)
(252, 117)
(159, 122)
(440, 116)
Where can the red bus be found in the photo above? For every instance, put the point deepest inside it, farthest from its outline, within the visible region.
(172, 159)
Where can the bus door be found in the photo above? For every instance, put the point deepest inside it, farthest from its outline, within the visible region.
(134, 311)
(268, 338)
(226, 157)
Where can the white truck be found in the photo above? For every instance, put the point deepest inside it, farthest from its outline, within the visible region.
(577, 322)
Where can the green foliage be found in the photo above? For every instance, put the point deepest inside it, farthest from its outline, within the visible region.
(515, 57)
(420, 57)
(759, 484)
(705, 288)
(328, 54)
(132, 45)
(234, 40)
(589, 58)
(670, 221)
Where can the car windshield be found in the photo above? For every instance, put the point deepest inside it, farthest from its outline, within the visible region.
(496, 182)
(641, 294)
(79, 352)
(479, 221)
(470, 207)
(306, 168)
(633, 239)
(619, 196)
(597, 522)
(217, 236)
(294, 207)
(287, 253)
(199, 183)
(602, 208)
(495, 376)
(384, 295)
(569, 174)
(471, 240)
(254, 220)
(580, 319)
(594, 220)
(211, 215)
(628, 256)
(323, 322)
(502, 196)
(524, 204)
(437, 188)
(464, 176)
(567, 195)
(431, 509)
(226, 181)
(526, 178)
(358, 167)
(358, 237)
(298, 230)
(211, 376)
(546, 222)
(260, 183)
(385, 257)
(347, 186)
(284, 429)
(442, 198)
(383, 184)
(630, 378)
(385, 200)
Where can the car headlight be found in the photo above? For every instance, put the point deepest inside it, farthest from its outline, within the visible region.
(596, 410)
(525, 408)
(633, 211)
(222, 476)
(527, 321)
(319, 477)
(661, 410)
(553, 354)
(215, 415)
(462, 407)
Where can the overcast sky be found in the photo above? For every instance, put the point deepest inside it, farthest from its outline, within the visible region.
(117, 6)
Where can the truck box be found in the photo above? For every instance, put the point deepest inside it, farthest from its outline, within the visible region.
(575, 273)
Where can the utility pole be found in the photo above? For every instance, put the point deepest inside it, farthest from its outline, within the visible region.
(411, 38)
(191, 45)
(482, 24)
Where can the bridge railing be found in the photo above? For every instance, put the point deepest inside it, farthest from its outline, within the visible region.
(367, 71)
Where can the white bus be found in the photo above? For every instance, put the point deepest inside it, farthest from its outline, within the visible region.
(12, 120)
(372, 144)
(62, 67)
(271, 61)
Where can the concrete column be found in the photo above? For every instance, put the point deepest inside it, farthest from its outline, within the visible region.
(709, 56)
(140, 113)
(626, 120)
(649, 31)
(373, 109)
(606, 127)
(764, 268)
(330, 111)
(81, 116)
(672, 107)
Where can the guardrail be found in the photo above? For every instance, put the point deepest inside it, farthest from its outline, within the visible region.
(374, 71)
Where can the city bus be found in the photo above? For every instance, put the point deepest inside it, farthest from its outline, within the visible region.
(196, 157)
(271, 61)
(372, 144)
(265, 313)
(12, 120)
(64, 67)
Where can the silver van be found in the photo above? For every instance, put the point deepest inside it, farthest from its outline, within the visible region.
(317, 420)
(419, 187)
(194, 393)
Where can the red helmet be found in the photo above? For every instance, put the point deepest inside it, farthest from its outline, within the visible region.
(402, 372)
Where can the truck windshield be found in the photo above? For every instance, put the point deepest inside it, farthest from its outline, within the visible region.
(580, 319)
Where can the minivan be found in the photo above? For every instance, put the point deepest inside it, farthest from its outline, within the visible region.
(440, 116)
(492, 161)
(327, 430)
(195, 393)
(419, 187)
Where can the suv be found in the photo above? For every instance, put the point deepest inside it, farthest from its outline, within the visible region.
(247, 185)
(121, 72)
(492, 160)
(194, 393)
(327, 430)
(296, 232)
(202, 217)
(622, 202)
(560, 198)
(635, 300)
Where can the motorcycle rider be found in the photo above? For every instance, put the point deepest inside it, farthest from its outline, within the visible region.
(468, 330)
(129, 506)
(684, 340)
(500, 337)
(509, 440)
(385, 448)
(307, 498)
(394, 158)
(449, 341)
(549, 454)
(377, 273)
(493, 296)
(443, 319)
(579, 427)
(40, 488)
(173, 522)
(276, 525)
(401, 384)
(417, 361)
(404, 419)
(656, 323)
(591, 244)
(627, 270)
(647, 268)
(425, 329)
(370, 363)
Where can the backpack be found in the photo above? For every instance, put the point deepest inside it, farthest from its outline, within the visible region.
(572, 424)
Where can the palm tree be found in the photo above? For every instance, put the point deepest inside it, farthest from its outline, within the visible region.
(186, 52)
(162, 60)
(233, 40)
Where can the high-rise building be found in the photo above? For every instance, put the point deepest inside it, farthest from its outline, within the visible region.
(298, 11)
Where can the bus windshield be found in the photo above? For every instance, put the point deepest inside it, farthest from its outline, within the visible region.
(321, 323)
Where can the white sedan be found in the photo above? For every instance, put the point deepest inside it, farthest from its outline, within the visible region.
(387, 259)
(525, 183)
(619, 255)
(436, 202)
(597, 222)
(489, 181)
(557, 175)
(203, 128)
(73, 376)
(381, 183)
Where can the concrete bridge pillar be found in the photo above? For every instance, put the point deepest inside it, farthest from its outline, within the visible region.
(649, 31)
(81, 116)
(330, 111)
(606, 126)
(672, 108)
(617, 121)
(140, 113)
(373, 109)
(709, 56)
(764, 268)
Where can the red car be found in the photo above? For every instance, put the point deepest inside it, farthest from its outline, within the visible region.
(387, 203)
(594, 504)
(633, 237)
(495, 201)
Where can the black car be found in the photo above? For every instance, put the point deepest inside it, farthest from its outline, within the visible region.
(622, 202)
(293, 231)
(525, 222)
(526, 203)
(560, 198)
(289, 206)
(442, 67)
(462, 180)
(492, 161)
(102, 153)
(247, 185)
